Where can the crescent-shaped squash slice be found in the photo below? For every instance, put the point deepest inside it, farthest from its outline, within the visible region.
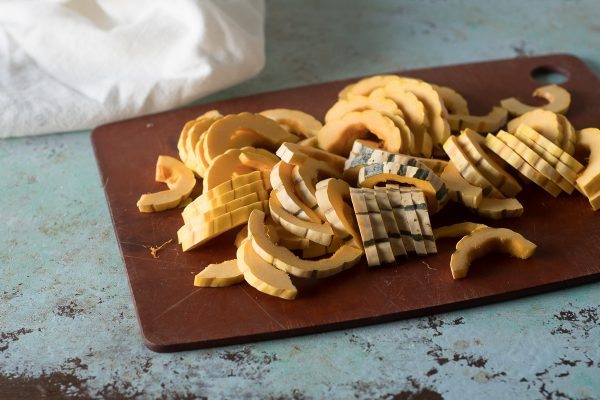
(217, 210)
(505, 152)
(413, 112)
(180, 181)
(491, 122)
(306, 176)
(526, 131)
(570, 136)
(473, 144)
(193, 235)
(374, 236)
(258, 159)
(318, 233)
(245, 129)
(436, 112)
(222, 169)
(182, 143)
(459, 189)
(499, 208)
(486, 240)
(283, 187)
(389, 221)
(223, 274)
(361, 103)
(457, 230)
(333, 197)
(263, 276)
(468, 169)
(558, 98)
(282, 258)
(190, 146)
(226, 192)
(455, 103)
(273, 232)
(546, 123)
(365, 86)
(312, 141)
(535, 160)
(295, 154)
(294, 121)
(337, 136)
(589, 180)
(433, 187)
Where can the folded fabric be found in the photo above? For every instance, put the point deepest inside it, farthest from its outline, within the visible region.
(72, 65)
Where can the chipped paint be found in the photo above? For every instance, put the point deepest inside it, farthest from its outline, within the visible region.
(67, 325)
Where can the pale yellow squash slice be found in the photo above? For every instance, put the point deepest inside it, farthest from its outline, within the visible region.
(389, 222)
(275, 233)
(407, 219)
(517, 162)
(203, 204)
(182, 143)
(457, 230)
(361, 103)
(337, 136)
(193, 235)
(455, 103)
(589, 180)
(284, 188)
(468, 169)
(263, 276)
(570, 136)
(560, 166)
(223, 274)
(282, 258)
(546, 144)
(180, 181)
(295, 154)
(535, 160)
(413, 112)
(245, 129)
(436, 112)
(189, 143)
(222, 169)
(490, 122)
(201, 162)
(499, 208)
(316, 232)
(473, 144)
(486, 240)
(375, 241)
(434, 188)
(559, 100)
(459, 189)
(333, 197)
(312, 141)
(306, 176)
(365, 86)
(546, 123)
(224, 208)
(294, 121)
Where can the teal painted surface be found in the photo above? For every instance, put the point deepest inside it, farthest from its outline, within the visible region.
(67, 323)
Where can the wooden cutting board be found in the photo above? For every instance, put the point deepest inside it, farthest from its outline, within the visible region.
(175, 315)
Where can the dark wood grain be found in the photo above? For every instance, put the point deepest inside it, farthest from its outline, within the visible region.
(175, 315)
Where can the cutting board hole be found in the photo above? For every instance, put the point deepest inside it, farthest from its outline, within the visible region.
(549, 75)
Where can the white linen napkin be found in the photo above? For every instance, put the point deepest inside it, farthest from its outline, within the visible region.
(71, 65)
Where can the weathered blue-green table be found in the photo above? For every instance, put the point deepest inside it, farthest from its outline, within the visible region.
(67, 324)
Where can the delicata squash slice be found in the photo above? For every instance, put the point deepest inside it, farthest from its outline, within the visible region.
(558, 98)
(239, 162)
(365, 86)
(486, 240)
(294, 121)
(245, 129)
(546, 123)
(589, 180)
(282, 258)
(490, 122)
(456, 230)
(337, 136)
(179, 179)
(455, 103)
(362, 103)
(294, 153)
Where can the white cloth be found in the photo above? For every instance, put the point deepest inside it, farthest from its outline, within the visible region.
(71, 65)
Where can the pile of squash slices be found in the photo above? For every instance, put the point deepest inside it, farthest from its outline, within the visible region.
(309, 199)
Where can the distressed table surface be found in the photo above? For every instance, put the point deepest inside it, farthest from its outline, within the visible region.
(67, 324)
